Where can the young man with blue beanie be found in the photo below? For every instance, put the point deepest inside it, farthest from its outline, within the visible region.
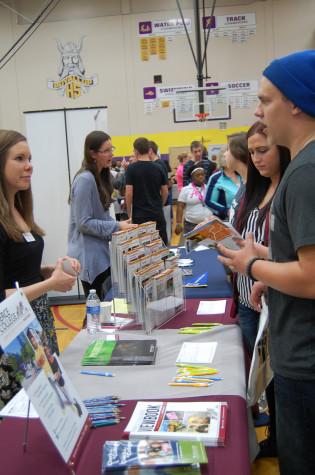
(287, 108)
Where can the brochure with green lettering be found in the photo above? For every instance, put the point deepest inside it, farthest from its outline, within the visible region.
(177, 470)
(120, 353)
(121, 454)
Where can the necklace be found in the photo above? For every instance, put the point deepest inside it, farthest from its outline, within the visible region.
(198, 193)
(302, 146)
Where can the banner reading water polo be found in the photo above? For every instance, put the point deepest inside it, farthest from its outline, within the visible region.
(72, 79)
(169, 27)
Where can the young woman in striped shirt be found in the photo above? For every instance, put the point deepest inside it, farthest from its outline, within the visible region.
(266, 166)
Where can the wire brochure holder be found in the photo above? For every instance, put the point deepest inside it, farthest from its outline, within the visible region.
(146, 276)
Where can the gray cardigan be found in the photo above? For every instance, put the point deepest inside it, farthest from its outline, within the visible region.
(90, 228)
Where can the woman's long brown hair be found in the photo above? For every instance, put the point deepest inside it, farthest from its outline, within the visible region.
(93, 142)
(23, 199)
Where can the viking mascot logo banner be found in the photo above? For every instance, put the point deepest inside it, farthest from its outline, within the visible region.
(72, 71)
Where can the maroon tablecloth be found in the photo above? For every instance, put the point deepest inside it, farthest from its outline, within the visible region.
(42, 457)
(189, 316)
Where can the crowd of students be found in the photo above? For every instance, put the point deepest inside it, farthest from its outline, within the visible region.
(264, 186)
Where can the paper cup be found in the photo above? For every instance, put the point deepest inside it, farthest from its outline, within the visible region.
(105, 312)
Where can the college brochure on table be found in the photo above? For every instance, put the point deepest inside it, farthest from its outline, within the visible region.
(197, 282)
(211, 233)
(170, 470)
(203, 421)
(41, 374)
(211, 307)
(197, 353)
(120, 454)
(120, 353)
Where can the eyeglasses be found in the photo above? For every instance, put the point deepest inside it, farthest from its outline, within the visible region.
(108, 150)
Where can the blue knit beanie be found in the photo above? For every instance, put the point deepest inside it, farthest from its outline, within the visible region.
(294, 76)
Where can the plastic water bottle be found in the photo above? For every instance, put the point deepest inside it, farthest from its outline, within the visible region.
(93, 313)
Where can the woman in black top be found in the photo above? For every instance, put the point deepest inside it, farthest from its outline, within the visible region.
(21, 247)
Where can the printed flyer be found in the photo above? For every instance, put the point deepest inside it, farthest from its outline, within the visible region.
(41, 374)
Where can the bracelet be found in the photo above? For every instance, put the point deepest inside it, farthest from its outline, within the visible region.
(249, 266)
(179, 224)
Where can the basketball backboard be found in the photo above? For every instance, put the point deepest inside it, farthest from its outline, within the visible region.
(201, 104)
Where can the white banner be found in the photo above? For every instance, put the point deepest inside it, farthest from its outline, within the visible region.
(170, 27)
(237, 27)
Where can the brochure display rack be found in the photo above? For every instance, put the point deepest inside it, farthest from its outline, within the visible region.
(146, 275)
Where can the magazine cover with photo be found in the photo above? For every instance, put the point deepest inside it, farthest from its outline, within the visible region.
(26, 354)
(175, 421)
(203, 421)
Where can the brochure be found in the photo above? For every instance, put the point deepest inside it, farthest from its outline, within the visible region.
(260, 373)
(197, 353)
(211, 307)
(41, 374)
(119, 454)
(212, 233)
(120, 353)
(177, 470)
(197, 282)
(203, 421)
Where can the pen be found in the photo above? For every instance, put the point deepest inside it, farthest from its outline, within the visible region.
(104, 398)
(97, 373)
(206, 324)
(101, 402)
(198, 367)
(200, 378)
(195, 385)
(192, 380)
(105, 423)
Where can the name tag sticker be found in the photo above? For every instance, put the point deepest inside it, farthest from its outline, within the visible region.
(28, 237)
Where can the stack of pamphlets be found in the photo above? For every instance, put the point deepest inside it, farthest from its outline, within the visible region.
(137, 454)
(211, 233)
(147, 276)
(202, 421)
(120, 353)
(197, 353)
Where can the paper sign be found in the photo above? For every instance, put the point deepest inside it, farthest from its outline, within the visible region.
(41, 374)
(197, 353)
(18, 407)
(211, 307)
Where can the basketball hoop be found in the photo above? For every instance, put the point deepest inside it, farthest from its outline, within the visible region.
(202, 116)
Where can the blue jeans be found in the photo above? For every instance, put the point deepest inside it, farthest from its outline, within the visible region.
(295, 414)
(249, 320)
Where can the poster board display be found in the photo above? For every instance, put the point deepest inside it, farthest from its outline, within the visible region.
(41, 374)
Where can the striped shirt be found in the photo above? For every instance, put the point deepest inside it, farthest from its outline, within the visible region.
(244, 283)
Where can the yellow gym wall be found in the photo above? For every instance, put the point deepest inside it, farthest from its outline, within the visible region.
(123, 143)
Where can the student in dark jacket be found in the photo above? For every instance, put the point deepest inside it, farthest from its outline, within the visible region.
(200, 157)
